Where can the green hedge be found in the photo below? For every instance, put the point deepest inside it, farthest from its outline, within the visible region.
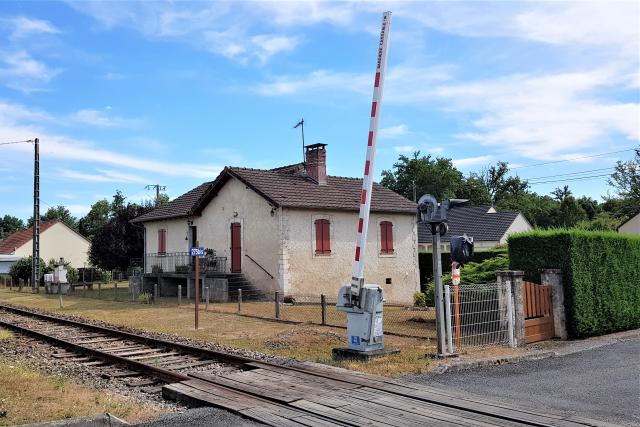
(601, 275)
(426, 263)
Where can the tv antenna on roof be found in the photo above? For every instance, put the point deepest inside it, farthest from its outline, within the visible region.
(301, 125)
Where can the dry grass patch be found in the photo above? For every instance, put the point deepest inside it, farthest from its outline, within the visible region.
(300, 341)
(27, 396)
(4, 334)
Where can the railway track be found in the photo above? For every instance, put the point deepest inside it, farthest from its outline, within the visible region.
(300, 394)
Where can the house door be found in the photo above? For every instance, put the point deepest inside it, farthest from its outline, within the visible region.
(236, 249)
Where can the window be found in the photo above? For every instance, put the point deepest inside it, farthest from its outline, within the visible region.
(323, 238)
(386, 237)
(162, 242)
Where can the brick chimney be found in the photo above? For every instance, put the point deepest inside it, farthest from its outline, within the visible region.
(315, 158)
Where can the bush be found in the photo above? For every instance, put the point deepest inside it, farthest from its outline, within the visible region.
(425, 260)
(145, 298)
(21, 269)
(426, 298)
(601, 278)
(104, 275)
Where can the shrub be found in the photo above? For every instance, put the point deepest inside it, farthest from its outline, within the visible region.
(21, 269)
(145, 298)
(104, 275)
(425, 261)
(601, 278)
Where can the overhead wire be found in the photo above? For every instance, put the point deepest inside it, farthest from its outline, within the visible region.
(15, 142)
(572, 159)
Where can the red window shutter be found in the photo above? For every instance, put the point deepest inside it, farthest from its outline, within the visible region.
(326, 238)
(323, 238)
(386, 237)
(162, 242)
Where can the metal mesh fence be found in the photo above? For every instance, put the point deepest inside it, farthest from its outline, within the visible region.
(477, 315)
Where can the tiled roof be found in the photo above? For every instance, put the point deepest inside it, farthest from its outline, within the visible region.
(474, 221)
(293, 190)
(178, 207)
(15, 240)
(286, 187)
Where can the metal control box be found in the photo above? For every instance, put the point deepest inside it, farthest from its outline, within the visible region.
(364, 323)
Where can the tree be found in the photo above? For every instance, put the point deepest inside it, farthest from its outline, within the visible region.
(500, 186)
(58, 212)
(590, 206)
(10, 224)
(601, 221)
(569, 212)
(95, 219)
(21, 269)
(540, 211)
(626, 180)
(437, 177)
(118, 241)
(474, 190)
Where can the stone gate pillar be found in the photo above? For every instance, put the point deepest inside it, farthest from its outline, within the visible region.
(553, 278)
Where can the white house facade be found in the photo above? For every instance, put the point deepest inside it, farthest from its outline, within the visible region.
(290, 229)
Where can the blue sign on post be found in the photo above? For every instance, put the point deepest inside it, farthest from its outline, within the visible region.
(197, 251)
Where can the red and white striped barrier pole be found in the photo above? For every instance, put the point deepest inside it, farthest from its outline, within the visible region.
(357, 278)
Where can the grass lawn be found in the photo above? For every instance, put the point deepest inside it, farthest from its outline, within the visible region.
(29, 396)
(300, 341)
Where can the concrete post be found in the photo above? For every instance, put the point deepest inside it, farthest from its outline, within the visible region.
(277, 302)
(206, 295)
(553, 278)
(156, 293)
(239, 300)
(180, 294)
(514, 279)
(202, 283)
(188, 288)
(115, 291)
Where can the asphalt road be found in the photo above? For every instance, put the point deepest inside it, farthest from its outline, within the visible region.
(602, 383)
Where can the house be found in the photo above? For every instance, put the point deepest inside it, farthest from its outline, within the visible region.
(291, 229)
(630, 226)
(57, 240)
(488, 227)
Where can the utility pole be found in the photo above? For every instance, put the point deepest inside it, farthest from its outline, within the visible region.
(301, 124)
(158, 189)
(35, 259)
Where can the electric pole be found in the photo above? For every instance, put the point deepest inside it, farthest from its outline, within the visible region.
(35, 259)
(158, 189)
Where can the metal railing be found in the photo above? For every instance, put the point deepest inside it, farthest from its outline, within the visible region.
(478, 315)
(181, 262)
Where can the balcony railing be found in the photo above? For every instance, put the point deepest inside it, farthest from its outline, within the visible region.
(181, 262)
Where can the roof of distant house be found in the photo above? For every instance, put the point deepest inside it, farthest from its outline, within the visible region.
(16, 239)
(482, 223)
(285, 187)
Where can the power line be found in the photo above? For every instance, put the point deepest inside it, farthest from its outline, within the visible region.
(575, 158)
(580, 178)
(567, 174)
(16, 142)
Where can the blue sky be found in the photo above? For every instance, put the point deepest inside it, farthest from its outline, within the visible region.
(125, 94)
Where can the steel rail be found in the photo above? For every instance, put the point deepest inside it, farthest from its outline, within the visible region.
(213, 354)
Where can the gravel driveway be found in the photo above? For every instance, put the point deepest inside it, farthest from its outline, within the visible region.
(601, 383)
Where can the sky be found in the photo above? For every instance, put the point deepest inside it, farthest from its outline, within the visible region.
(126, 94)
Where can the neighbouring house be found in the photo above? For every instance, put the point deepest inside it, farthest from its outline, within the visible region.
(630, 226)
(291, 229)
(6, 261)
(57, 240)
(488, 227)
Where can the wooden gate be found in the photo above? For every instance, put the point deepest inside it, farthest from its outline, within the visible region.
(538, 312)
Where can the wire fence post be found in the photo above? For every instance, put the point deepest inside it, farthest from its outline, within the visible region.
(20, 282)
(206, 296)
(277, 302)
(447, 315)
(155, 293)
(323, 306)
(60, 295)
(115, 291)
(512, 341)
(11, 283)
(239, 300)
(99, 289)
(179, 294)
(84, 290)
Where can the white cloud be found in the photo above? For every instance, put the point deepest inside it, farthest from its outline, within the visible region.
(24, 73)
(265, 46)
(97, 118)
(55, 146)
(114, 76)
(234, 44)
(392, 132)
(24, 27)
(102, 175)
(405, 148)
(472, 161)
